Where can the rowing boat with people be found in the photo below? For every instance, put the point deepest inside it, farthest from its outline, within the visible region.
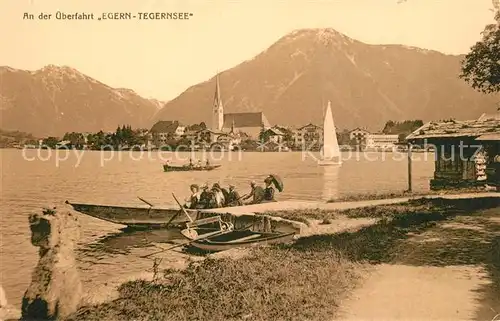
(188, 168)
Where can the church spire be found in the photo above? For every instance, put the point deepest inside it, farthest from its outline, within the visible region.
(218, 109)
(217, 99)
(232, 127)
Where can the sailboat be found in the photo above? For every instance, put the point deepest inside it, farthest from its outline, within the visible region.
(330, 153)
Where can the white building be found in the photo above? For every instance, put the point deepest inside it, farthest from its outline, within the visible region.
(381, 141)
(308, 136)
(165, 131)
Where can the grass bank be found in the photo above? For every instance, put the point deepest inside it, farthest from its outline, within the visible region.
(271, 284)
(305, 280)
(419, 206)
(402, 194)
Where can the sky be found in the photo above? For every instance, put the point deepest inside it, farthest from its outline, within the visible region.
(162, 58)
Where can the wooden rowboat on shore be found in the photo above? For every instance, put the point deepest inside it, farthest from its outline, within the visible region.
(206, 227)
(188, 168)
(223, 241)
(136, 217)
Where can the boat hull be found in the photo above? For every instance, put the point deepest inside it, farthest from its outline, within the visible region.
(237, 239)
(168, 168)
(136, 217)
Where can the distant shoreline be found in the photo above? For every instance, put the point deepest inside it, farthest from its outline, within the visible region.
(224, 150)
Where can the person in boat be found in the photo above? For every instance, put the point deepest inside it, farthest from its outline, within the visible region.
(269, 190)
(233, 197)
(194, 200)
(190, 163)
(218, 196)
(207, 163)
(256, 193)
(222, 190)
(205, 196)
(198, 164)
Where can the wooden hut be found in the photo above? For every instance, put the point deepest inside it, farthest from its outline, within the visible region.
(466, 152)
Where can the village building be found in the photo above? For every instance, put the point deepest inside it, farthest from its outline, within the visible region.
(467, 152)
(191, 135)
(381, 141)
(208, 137)
(251, 123)
(165, 131)
(359, 135)
(309, 136)
(274, 135)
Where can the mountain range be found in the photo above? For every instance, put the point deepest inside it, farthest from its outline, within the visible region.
(367, 85)
(291, 82)
(55, 100)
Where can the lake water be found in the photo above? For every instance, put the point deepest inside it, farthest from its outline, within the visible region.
(32, 179)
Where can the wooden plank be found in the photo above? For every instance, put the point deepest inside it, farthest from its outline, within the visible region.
(203, 221)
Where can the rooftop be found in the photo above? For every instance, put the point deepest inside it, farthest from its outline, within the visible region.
(359, 129)
(455, 129)
(217, 132)
(276, 131)
(309, 125)
(251, 119)
(165, 126)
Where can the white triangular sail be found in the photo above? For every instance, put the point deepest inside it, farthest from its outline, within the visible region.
(330, 152)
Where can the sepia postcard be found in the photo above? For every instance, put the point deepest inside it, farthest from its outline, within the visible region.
(250, 160)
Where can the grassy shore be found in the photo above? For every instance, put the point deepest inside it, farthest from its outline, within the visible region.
(270, 284)
(402, 194)
(305, 280)
(418, 206)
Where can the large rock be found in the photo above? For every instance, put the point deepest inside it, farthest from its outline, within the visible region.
(55, 289)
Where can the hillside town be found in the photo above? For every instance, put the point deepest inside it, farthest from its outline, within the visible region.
(171, 134)
(367, 187)
(247, 131)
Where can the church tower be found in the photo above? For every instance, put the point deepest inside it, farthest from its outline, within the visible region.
(218, 109)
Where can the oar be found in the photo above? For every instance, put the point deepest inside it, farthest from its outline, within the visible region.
(151, 205)
(182, 207)
(176, 214)
(191, 241)
(239, 199)
(242, 197)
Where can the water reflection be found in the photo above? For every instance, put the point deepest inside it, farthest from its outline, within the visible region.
(123, 242)
(331, 182)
